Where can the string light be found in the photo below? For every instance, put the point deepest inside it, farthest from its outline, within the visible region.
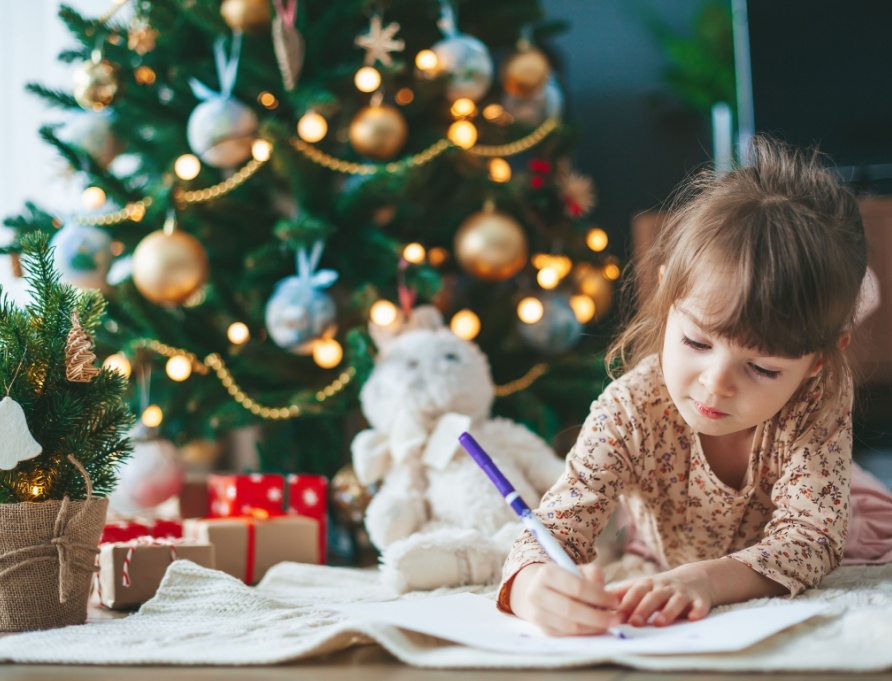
(426, 60)
(596, 239)
(414, 253)
(437, 256)
(268, 99)
(612, 271)
(404, 96)
(499, 170)
(119, 362)
(583, 308)
(36, 490)
(179, 368)
(465, 324)
(492, 112)
(152, 416)
(530, 310)
(462, 134)
(367, 79)
(93, 198)
(327, 353)
(312, 127)
(144, 75)
(383, 313)
(238, 333)
(548, 277)
(261, 150)
(187, 167)
(463, 108)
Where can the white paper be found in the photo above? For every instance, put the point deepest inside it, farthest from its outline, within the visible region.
(475, 621)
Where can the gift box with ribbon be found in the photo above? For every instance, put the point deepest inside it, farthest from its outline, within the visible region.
(247, 547)
(130, 572)
(308, 497)
(247, 494)
(128, 530)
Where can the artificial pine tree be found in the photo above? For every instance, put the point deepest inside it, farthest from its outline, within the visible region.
(265, 176)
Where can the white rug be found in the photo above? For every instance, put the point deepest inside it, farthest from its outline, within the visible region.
(204, 617)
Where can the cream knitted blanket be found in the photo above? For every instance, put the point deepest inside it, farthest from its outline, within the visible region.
(204, 617)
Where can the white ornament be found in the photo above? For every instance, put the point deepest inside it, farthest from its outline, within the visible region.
(82, 255)
(150, 477)
(17, 443)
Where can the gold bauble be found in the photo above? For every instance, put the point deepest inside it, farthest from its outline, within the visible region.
(349, 497)
(378, 132)
(96, 84)
(491, 245)
(591, 281)
(525, 73)
(168, 268)
(247, 16)
(201, 452)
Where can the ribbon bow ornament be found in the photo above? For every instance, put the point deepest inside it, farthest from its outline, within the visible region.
(227, 68)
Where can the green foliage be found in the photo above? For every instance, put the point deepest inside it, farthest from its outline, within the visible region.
(88, 421)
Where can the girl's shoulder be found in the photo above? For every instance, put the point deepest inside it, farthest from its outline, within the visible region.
(813, 408)
(640, 389)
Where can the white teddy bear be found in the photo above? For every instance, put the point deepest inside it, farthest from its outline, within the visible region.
(437, 519)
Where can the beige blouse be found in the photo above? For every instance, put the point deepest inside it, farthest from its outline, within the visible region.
(788, 522)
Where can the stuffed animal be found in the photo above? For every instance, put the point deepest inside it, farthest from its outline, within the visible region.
(436, 518)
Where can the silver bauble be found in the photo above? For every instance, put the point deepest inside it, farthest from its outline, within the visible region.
(468, 64)
(221, 132)
(297, 314)
(82, 255)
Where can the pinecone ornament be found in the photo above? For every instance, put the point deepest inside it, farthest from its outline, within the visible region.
(78, 356)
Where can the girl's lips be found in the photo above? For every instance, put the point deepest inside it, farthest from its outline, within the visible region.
(707, 412)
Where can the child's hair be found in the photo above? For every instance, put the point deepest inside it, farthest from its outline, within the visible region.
(785, 242)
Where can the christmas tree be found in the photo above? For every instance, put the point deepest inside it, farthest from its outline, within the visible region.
(263, 178)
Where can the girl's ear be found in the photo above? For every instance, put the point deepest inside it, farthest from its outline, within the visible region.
(844, 339)
(819, 364)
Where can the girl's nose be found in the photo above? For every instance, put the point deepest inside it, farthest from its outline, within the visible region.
(718, 379)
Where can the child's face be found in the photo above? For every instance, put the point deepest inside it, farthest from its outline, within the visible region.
(719, 387)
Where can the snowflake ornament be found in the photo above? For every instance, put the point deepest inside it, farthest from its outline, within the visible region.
(379, 42)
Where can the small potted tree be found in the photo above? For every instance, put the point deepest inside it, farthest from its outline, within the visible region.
(63, 430)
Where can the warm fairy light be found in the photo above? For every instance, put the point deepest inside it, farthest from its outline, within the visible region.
(116, 248)
(437, 256)
(238, 333)
(596, 239)
(583, 307)
(260, 513)
(548, 277)
(414, 253)
(492, 112)
(261, 150)
(462, 134)
(152, 416)
(144, 75)
(612, 271)
(93, 198)
(179, 368)
(327, 353)
(36, 490)
(312, 127)
(404, 96)
(187, 167)
(426, 60)
(465, 324)
(463, 108)
(268, 99)
(383, 313)
(530, 310)
(119, 362)
(499, 170)
(367, 79)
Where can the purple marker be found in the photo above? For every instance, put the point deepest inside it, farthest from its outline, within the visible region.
(548, 543)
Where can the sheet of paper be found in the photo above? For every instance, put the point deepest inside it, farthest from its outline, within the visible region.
(475, 621)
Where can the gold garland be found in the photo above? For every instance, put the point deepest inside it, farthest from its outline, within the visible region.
(522, 383)
(221, 188)
(132, 211)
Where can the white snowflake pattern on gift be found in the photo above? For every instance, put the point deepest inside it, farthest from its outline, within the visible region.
(256, 477)
(231, 491)
(274, 494)
(310, 498)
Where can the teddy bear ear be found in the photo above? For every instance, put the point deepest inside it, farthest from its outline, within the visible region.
(421, 317)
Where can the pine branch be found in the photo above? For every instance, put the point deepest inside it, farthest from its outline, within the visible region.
(58, 98)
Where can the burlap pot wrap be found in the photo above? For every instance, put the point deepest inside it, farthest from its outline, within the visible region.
(47, 560)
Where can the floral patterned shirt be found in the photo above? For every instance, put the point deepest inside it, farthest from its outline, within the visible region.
(787, 522)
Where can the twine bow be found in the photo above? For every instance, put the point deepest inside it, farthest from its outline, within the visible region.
(73, 556)
(226, 71)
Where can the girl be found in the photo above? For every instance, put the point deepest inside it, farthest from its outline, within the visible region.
(729, 442)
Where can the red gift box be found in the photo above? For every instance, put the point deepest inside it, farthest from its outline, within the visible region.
(128, 530)
(308, 497)
(253, 494)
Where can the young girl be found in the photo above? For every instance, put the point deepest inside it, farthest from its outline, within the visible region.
(729, 442)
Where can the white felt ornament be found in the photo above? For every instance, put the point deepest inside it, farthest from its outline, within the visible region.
(17, 443)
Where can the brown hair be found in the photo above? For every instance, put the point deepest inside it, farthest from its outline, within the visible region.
(787, 242)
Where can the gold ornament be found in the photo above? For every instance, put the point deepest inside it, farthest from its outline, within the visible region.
(200, 452)
(591, 281)
(79, 357)
(246, 16)
(378, 132)
(350, 497)
(525, 73)
(141, 36)
(379, 42)
(96, 83)
(169, 267)
(491, 245)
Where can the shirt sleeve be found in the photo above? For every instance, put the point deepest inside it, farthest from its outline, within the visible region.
(577, 508)
(804, 539)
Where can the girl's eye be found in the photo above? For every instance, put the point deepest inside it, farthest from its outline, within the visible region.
(694, 344)
(767, 373)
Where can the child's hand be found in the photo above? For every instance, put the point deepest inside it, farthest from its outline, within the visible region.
(561, 603)
(666, 597)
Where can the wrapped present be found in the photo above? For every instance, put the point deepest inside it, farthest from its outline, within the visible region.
(194, 498)
(308, 497)
(128, 530)
(247, 494)
(130, 572)
(247, 547)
